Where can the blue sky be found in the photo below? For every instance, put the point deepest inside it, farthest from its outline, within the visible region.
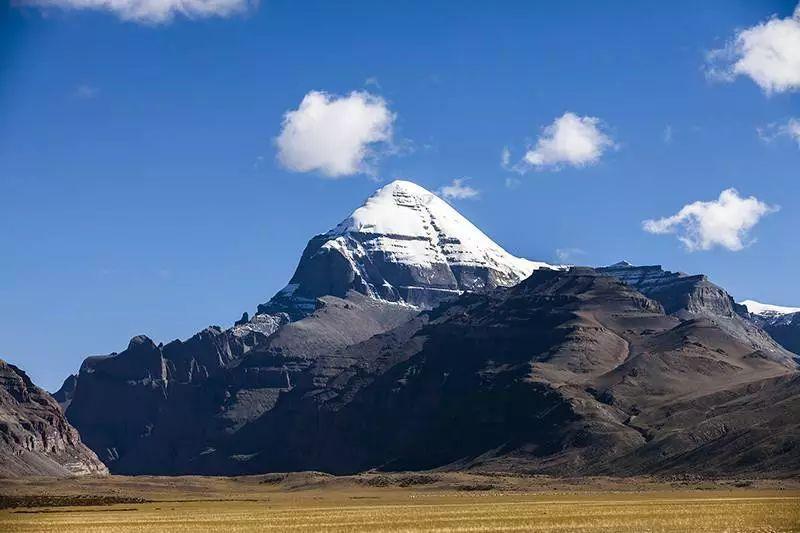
(140, 190)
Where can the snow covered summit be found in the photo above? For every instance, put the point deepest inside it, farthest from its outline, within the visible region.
(415, 227)
(405, 244)
(768, 310)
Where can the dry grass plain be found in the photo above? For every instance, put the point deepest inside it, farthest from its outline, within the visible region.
(397, 502)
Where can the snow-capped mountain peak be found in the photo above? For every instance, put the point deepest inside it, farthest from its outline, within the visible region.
(419, 228)
(768, 310)
(404, 244)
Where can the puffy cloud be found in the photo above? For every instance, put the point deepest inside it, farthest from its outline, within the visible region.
(790, 129)
(724, 222)
(457, 190)
(152, 11)
(768, 53)
(570, 140)
(334, 135)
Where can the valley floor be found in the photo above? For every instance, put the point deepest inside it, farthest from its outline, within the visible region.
(397, 502)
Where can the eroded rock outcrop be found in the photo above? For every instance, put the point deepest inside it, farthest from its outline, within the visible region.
(35, 437)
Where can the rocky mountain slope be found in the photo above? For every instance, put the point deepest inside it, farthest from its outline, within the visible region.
(407, 339)
(160, 408)
(694, 296)
(782, 323)
(567, 373)
(154, 408)
(35, 437)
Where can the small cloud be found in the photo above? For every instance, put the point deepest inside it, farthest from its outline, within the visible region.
(667, 135)
(725, 222)
(790, 129)
(571, 140)
(568, 255)
(505, 158)
(151, 11)
(457, 190)
(336, 135)
(372, 81)
(513, 183)
(85, 92)
(768, 53)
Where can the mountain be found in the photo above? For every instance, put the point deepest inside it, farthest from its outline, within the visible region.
(689, 296)
(567, 373)
(35, 437)
(163, 408)
(406, 339)
(405, 244)
(782, 323)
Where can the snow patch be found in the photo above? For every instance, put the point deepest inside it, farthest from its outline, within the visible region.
(768, 310)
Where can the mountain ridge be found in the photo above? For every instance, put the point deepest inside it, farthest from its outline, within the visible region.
(379, 353)
(545, 377)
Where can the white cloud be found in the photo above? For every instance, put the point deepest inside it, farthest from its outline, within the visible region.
(505, 157)
(336, 136)
(790, 129)
(152, 11)
(769, 53)
(570, 140)
(513, 183)
(568, 255)
(457, 190)
(724, 222)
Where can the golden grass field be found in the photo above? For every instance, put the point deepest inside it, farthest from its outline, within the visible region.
(412, 502)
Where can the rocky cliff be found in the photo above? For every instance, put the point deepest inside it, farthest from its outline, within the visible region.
(35, 437)
(695, 296)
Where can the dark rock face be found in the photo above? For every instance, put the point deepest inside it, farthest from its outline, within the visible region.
(678, 292)
(64, 395)
(694, 296)
(159, 409)
(123, 398)
(567, 373)
(783, 328)
(35, 437)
